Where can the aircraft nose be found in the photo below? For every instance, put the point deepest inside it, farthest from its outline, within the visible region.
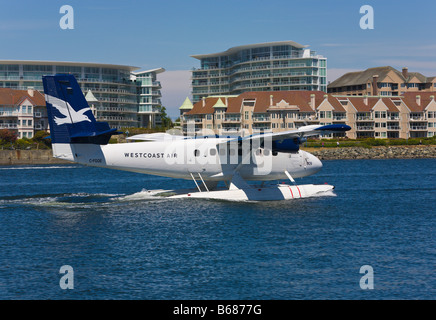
(314, 164)
(317, 164)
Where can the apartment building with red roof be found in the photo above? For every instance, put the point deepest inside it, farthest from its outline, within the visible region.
(410, 116)
(22, 111)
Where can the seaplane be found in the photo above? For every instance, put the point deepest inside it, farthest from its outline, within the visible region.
(238, 162)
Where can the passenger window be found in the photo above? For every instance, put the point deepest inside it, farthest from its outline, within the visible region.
(266, 152)
(212, 152)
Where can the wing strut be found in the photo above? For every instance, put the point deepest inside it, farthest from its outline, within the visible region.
(290, 177)
(203, 181)
(195, 181)
(201, 178)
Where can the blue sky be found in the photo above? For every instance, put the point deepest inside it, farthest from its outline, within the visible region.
(165, 33)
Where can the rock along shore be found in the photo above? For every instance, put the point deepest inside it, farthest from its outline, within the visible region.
(33, 157)
(380, 152)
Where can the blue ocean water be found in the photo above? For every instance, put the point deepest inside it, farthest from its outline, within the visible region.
(123, 244)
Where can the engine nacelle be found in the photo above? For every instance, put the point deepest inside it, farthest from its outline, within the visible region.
(286, 145)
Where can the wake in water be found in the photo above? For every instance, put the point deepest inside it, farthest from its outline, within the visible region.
(88, 200)
(60, 200)
(38, 167)
(143, 195)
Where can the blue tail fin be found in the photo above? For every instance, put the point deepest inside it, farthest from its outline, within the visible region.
(70, 118)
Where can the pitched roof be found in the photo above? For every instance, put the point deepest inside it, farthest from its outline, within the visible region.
(219, 104)
(299, 99)
(361, 106)
(419, 76)
(335, 104)
(390, 105)
(187, 104)
(410, 99)
(15, 97)
(362, 77)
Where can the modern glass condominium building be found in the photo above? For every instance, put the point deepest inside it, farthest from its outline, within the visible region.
(115, 92)
(272, 66)
(149, 97)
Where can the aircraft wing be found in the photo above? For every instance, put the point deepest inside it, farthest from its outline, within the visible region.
(159, 136)
(302, 132)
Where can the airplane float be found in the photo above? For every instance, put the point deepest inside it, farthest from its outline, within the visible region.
(76, 136)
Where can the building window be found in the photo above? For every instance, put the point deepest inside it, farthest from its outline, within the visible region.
(380, 124)
(325, 114)
(380, 114)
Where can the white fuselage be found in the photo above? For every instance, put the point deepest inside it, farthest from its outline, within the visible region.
(182, 158)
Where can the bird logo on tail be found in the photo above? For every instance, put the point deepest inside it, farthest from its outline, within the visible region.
(70, 115)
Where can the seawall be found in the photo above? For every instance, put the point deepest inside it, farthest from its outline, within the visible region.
(26, 157)
(29, 157)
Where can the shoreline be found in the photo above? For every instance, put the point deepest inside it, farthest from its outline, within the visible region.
(41, 157)
(376, 152)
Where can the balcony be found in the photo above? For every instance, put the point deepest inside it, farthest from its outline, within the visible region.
(261, 129)
(232, 119)
(107, 90)
(115, 118)
(8, 114)
(116, 100)
(340, 118)
(115, 109)
(393, 128)
(418, 128)
(261, 119)
(365, 128)
(8, 126)
(230, 129)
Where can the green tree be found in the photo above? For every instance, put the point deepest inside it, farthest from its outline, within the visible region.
(166, 120)
(41, 139)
